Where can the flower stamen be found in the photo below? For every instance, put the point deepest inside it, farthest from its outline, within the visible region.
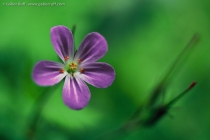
(81, 70)
(79, 60)
(66, 58)
(61, 70)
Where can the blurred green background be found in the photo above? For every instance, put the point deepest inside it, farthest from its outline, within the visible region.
(144, 37)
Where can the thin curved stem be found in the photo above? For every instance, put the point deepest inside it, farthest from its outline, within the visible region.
(37, 110)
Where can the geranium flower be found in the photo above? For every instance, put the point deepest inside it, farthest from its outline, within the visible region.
(76, 68)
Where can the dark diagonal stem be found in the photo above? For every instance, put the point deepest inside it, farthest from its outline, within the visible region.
(182, 94)
(37, 110)
(73, 30)
(194, 40)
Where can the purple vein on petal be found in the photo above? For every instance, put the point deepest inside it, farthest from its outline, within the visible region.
(76, 94)
(62, 40)
(47, 73)
(93, 47)
(98, 74)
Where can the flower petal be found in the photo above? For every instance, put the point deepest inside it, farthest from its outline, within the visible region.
(93, 47)
(98, 74)
(62, 40)
(76, 94)
(46, 73)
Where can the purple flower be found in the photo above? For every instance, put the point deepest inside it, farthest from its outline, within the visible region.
(76, 68)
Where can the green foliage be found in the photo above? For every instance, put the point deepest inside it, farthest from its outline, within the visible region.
(143, 37)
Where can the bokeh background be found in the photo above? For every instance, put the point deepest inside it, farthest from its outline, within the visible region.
(144, 38)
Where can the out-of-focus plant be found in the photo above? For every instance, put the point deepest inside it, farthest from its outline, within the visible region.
(149, 113)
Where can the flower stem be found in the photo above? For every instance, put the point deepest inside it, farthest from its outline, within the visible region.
(37, 110)
(73, 33)
(160, 87)
(182, 94)
(73, 29)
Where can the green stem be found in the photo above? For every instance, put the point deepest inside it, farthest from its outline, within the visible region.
(159, 88)
(73, 30)
(194, 40)
(37, 110)
(181, 95)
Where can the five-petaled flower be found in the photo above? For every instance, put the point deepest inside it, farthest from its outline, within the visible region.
(77, 68)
